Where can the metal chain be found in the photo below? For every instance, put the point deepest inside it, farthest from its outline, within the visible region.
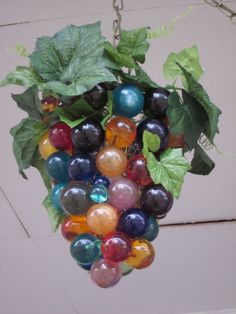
(223, 9)
(117, 22)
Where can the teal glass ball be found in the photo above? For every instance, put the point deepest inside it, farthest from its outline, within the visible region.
(99, 193)
(55, 196)
(56, 166)
(85, 248)
(128, 100)
(152, 230)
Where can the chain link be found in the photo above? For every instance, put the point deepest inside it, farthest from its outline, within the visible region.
(117, 22)
(223, 9)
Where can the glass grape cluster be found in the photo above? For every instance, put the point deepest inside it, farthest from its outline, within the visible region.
(102, 183)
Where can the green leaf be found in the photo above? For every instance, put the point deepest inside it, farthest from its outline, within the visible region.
(78, 110)
(150, 142)
(109, 110)
(134, 43)
(39, 163)
(72, 60)
(121, 59)
(201, 162)
(24, 145)
(54, 216)
(29, 101)
(141, 79)
(23, 76)
(198, 92)
(186, 117)
(169, 171)
(72, 124)
(188, 58)
(39, 128)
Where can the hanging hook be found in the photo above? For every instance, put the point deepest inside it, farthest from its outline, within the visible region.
(117, 22)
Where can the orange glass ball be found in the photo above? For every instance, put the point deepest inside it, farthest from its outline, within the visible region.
(111, 161)
(142, 254)
(73, 226)
(102, 219)
(120, 132)
(45, 147)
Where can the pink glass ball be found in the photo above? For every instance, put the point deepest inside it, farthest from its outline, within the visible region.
(123, 193)
(105, 274)
(116, 247)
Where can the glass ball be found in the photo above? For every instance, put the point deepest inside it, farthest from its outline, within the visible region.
(85, 267)
(126, 268)
(137, 170)
(101, 180)
(120, 132)
(111, 161)
(45, 147)
(133, 222)
(142, 254)
(135, 148)
(123, 193)
(97, 97)
(156, 127)
(128, 100)
(88, 136)
(82, 167)
(156, 200)
(56, 166)
(56, 195)
(49, 104)
(152, 230)
(60, 136)
(75, 198)
(116, 247)
(73, 226)
(99, 193)
(85, 248)
(105, 274)
(156, 102)
(102, 219)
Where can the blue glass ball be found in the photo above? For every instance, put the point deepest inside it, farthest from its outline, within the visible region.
(133, 222)
(56, 166)
(101, 180)
(85, 267)
(152, 230)
(55, 196)
(85, 248)
(128, 100)
(82, 167)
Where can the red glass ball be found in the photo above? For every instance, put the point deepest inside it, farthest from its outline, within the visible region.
(60, 136)
(116, 247)
(137, 170)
